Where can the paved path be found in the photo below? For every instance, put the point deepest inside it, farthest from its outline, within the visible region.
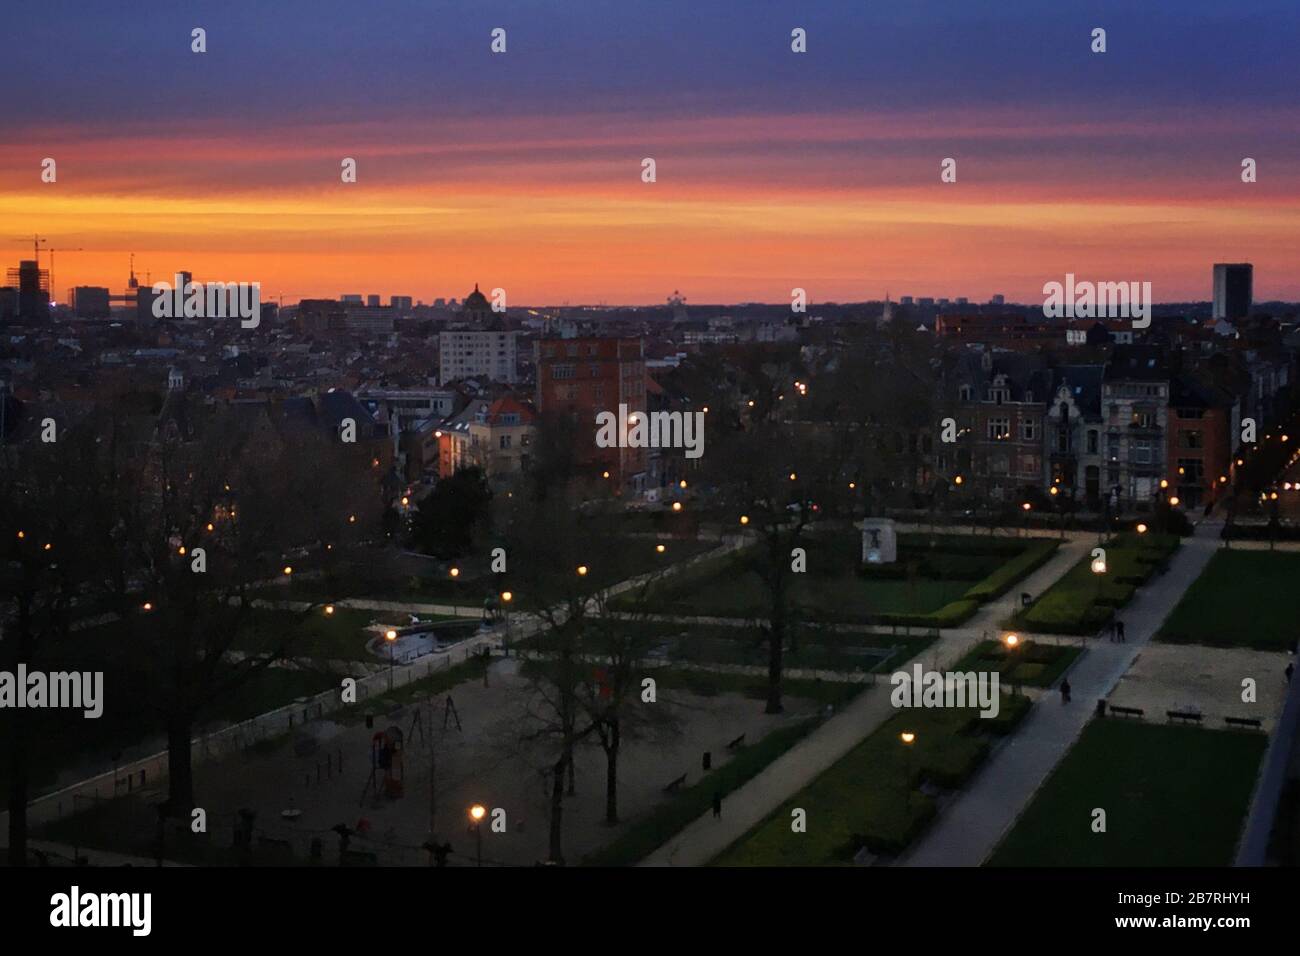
(705, 838)
(972, 826)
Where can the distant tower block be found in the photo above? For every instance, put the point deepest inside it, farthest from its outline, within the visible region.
(879, 541)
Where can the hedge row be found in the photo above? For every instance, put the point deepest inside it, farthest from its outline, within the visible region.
(1029, 560)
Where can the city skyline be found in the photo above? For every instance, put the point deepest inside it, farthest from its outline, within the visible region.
(817, 170)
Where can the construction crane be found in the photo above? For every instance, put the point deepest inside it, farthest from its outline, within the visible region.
(36, 252)
(36, 246)
(51, 251)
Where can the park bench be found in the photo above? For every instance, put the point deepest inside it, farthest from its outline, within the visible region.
(736, 744)
(1127, 711)
(675, 785)
(1183, 715)
(1242, 722)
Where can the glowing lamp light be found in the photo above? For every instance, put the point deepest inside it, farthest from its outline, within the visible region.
(507, 597)
(1164, 483)
(1142, 529)
(1099, 566)
(454, 572)
(1173, 501)
(582, 570)
(477, 812)
(147, 606)
(329, 610)
(677, 506)
(1054, 490)
(744, 519)
(1027, 506)
(1011, 640)
(682, 483)
(793, 476)
(958, 480)
(390, 635)
(660, 548)
(288, 570)
(605, 474)
(907, 737)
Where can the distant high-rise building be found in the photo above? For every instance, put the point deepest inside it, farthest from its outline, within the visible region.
(904, 300)
(372, 301)
(998, 299)
(586, 376)
(478, 353)
(351, 299)
(89, 302)
(33, 285)
(961, 300)
(1233, 289)
(402, 302)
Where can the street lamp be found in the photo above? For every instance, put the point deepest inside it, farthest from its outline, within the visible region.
(1012, 642)
(582, 570)
(908, 738)
(506, 598)
(476, 815)
(390, 636)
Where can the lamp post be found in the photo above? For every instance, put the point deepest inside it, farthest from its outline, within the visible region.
(1098, 569)
(1012, 644)
(476, 815)
(390, 636)
(506, 598)
(908, 738)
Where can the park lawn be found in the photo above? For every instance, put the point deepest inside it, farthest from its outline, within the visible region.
(870, 797)
(706, 683)
(938, 581)
(1031, 664)
(812, 649)
(657, 826)
(1241, 599)
(1081, 601)
(1173, 796)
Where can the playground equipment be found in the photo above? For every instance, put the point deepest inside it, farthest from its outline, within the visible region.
(385, 756)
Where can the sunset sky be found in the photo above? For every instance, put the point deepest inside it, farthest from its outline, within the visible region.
(775, 169)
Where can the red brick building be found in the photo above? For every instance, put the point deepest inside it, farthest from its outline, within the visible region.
(585, 376)
(1200, 441)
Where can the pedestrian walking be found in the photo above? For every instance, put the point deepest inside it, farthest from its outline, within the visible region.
(717, 805)
(1119, 626)
(1290, 669)
(1065, 691)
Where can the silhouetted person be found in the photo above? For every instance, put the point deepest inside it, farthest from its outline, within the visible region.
(1119, 627)
(1065, 691)
(717, 805)
(1290, 669)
